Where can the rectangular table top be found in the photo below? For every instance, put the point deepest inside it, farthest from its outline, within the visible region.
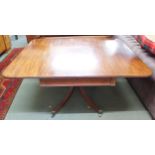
(78, 57)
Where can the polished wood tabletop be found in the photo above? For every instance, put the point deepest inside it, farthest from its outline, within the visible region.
(76, 57)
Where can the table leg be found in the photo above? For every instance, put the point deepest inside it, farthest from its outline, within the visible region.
(89, 101)
(63, 102)
(83, 93)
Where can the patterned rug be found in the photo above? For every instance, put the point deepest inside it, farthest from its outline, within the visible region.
(8, 87)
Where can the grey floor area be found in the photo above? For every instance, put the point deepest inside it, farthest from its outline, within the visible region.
(33, 102)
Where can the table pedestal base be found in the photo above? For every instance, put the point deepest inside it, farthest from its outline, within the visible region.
(83, 93)
(79, 84)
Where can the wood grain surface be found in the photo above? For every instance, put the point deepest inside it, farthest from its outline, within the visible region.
(76, 82)
(72, 57)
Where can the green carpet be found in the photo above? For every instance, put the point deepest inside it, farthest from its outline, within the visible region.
(33, 102)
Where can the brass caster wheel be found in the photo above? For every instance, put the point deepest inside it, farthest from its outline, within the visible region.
(100, 113)
(49, 106)
(53, 114)
(88, 107)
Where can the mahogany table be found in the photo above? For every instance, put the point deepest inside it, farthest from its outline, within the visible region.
(76, 62)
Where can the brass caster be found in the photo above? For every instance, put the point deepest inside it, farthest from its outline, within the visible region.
(88, 107)
(53, 114)
(49, 106)
(100, 113)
